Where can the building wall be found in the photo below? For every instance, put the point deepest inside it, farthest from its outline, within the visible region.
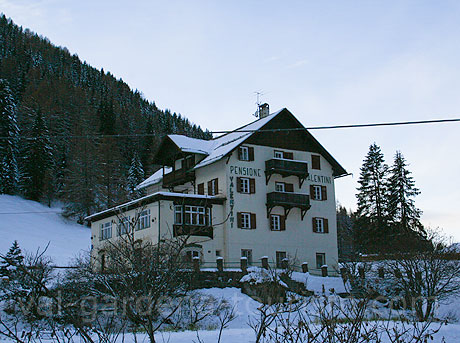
(298, 240)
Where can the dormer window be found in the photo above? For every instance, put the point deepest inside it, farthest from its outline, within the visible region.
(278, 154)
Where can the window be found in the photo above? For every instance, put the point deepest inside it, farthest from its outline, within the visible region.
(178, 214)
(275, 223)
(201, 188)
(279, 186)
(320, 260)
(218, 253)
(246, 153)
(245, 185)
(284, 154)
(123, 226)
(246, 220)
(144, 220)
(280, 256)
(315, 162)
(279, 154)
(106, 231)
(192, 215)
(320, 225)
(248, 254)
(318, 192)
(213, 187)
(191, 254)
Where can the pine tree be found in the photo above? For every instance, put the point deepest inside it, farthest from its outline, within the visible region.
(12, 259)
(402, 213)
(9, 142)
(135, 176)
(37, 159)
(371, 228)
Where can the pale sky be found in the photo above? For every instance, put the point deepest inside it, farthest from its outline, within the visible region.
(328, 62)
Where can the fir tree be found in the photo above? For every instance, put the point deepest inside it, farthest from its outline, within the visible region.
(12, 259)
(371, 228)
(135, 176)
(9, 142)
(37, 159)
(403, 216)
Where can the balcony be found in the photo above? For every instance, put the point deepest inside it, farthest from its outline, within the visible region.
(193, 230)
(288, 201)
(178, 177)
(285, 168)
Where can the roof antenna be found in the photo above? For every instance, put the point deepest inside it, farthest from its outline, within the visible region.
(263, 110)
(258, 95)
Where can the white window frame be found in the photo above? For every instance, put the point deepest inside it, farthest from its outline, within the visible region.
(245, 220)
(123, 225)
(144, 220)
(323, 256)
(106, 230)
(178, 214)
(275, 222)
(319, 222)
(318, 195)
(245, 185)
(214, 189)
(248, 254)
(244, 153)
(279, 154)
(280, 187)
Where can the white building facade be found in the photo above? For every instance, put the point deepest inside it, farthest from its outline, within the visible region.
(266, 189)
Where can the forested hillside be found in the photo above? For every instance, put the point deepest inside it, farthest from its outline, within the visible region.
(57, 125)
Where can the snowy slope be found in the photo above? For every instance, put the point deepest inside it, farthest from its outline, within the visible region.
(33, 225)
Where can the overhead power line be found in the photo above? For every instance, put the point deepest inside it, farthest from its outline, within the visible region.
(329, 127)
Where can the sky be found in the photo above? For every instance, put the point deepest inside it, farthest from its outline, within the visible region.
(328, 62)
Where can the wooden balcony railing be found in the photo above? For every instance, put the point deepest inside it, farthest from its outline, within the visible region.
(285, 167)
(288, 201)
(193, 230)
(178, 177)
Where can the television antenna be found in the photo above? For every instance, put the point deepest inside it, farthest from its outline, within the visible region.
(258, 94)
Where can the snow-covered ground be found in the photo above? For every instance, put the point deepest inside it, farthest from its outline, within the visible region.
(34, 225)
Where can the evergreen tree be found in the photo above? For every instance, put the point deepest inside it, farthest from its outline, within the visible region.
(371, 228)
(403, 216)
(135, 176)
(12, 259)
(8, 142)
(37, 159)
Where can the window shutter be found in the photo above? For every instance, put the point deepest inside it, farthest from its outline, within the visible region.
(288, 155)
(289, 187)
(282, 223)
(326, 225)
(240, 153)
(216, 181)
(252, 186)
(313, 220)
(238, 184)
(315, 162)
(323, 193)
(210, 188)
(253, 220)
(238, 219)
(251, 153)
(201, 188)
(312, 192)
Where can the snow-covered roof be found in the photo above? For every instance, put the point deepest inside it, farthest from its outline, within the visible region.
(192, 145)
(154, 178)
(214, 149)
(150, 198)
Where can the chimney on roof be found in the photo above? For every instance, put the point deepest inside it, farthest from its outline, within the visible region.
(264, 110)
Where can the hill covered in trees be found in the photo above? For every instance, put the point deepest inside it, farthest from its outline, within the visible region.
(58, 118)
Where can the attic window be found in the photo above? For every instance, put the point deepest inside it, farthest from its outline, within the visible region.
(315, 162)
(246, 153)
